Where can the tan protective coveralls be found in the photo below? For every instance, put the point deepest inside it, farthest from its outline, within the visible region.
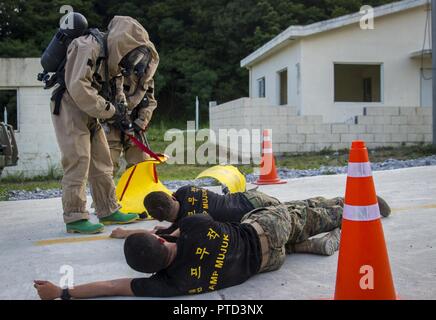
(138, 88)
(83, 145)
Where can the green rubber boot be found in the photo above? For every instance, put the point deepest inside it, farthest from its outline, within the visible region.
(84, 227)
(119, 218)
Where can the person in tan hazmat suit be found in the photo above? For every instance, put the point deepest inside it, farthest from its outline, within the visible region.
(84, 148)
(136, 90)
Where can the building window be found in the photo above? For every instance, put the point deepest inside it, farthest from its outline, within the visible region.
(8, 107)
(283, 87)
(261, 87)
(358, 83)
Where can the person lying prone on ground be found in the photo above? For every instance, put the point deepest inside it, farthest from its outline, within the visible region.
(205, 255)
(327, 212)
(190, 200)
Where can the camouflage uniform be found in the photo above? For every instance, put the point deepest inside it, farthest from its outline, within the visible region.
(314, 216)
(260, 200)
(274, 226)
(284, 225)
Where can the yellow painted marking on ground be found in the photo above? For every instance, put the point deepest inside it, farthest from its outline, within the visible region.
(427, 206)
(71, 240)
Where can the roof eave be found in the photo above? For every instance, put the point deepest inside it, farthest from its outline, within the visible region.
(257, 56)
(294, 32)
(426, 53)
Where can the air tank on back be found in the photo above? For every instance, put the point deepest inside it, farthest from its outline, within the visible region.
(72, 26)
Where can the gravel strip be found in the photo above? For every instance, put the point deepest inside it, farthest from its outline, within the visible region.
(284, 173)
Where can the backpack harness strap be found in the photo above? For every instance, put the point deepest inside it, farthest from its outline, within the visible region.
(60, 73)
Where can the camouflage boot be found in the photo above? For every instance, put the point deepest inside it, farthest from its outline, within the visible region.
(327, 245)
(385, 210)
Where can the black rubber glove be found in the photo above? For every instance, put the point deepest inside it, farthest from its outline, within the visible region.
(120, 117)
(135, 115)
(136, 128)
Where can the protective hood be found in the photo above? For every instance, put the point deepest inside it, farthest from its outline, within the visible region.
(124, 35)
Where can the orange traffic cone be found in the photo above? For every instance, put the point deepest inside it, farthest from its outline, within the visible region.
(364, 272)
(268, 171)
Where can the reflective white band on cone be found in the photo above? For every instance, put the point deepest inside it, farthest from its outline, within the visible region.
(268, 150)
(359, 169)
(267, 138)
(361, 213)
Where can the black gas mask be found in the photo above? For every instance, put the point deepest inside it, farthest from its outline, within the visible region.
(135, 62)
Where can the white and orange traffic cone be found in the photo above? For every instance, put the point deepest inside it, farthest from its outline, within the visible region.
(364, 272)
(268, 171)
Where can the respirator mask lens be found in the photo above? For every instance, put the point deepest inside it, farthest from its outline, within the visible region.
(135, 61)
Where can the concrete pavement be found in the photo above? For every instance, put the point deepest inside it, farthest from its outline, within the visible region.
(410, 232)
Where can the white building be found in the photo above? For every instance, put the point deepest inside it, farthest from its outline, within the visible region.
(334, 68)
(334, 71)
(37, 146)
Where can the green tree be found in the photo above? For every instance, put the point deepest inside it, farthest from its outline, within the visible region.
(200, 42)
(27, 26)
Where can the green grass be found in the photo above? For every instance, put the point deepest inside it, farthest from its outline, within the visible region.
(155, 135)
(18, 181)
(179, 172)
(189, 172)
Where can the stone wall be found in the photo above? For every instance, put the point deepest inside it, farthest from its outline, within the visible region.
(37, 146)
(293, 133)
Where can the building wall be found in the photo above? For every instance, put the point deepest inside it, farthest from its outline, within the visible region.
(392, 41)
(400, 73)
(288, 58)
(37, 145)
(291, 133)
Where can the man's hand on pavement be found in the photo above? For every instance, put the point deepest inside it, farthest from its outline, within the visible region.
(119, 233)
(47, 290)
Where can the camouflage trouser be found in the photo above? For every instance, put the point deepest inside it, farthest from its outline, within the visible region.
(293, 222)
(260, 200)
(314, 216)
(274, 226)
